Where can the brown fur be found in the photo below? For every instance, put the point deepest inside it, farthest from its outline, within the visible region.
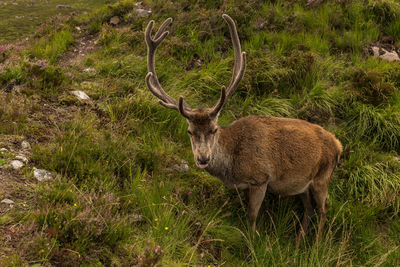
(281, 151)
(283, 156)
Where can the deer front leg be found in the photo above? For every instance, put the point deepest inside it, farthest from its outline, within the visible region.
(256, 197)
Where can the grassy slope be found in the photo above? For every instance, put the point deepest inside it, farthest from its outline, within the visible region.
(19, 18)
(114, 155)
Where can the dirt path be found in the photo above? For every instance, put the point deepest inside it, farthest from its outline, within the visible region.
(82, 46)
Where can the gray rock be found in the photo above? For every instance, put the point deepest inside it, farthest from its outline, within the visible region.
(7, 201)
(22, 158)
(63, 7)
(16, 164)
(90, 70)
(25, 145)
(385, 54)
(42, 175)
(80, 95)
(3, 149)
(115, 20)
(17, 88)
(390, 56)
(137, 217)
(142, 13)
(182, 167)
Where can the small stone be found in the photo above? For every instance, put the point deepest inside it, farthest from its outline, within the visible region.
(42, 175)
(17, 88)
(182, 167)
(142, 13)
(137, 217)
(16, 164)
(90, 70)
(7, 201)
(375, 50)
(3, 149)
(80, 95)
(63, 7)
(78, 28)
(157, 250)
(22, 158)
(25, 145)
(115, 20)
(198, 63)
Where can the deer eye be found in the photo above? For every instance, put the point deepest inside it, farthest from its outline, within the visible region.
(214, 131)
(189, 133)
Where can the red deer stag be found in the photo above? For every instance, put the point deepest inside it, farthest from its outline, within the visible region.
(258, 153)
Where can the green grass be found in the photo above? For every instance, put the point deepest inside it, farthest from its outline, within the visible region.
(118, 200)
(53, 47)
(20, 20)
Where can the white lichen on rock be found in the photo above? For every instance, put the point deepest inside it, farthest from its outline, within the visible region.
(42, 175)
(16, 164)
(80, 95)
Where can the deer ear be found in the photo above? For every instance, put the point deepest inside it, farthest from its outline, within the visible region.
(218, 106)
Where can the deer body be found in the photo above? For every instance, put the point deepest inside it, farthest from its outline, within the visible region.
(260, 149)
(257, 153)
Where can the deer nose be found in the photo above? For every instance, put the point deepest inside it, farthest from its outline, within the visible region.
(203, 160)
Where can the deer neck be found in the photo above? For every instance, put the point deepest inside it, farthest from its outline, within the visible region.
(221, 161)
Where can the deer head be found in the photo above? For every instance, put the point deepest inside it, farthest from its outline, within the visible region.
(203, 122)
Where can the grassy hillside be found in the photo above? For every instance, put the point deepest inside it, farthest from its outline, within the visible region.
(118, 198)
(19, 18)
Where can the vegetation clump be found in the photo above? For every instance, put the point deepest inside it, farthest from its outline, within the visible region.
(371, 87)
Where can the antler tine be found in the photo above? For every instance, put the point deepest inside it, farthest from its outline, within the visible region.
(240, 57)
(238, 68)
(151, 78)
(218, 106)
(162, 27)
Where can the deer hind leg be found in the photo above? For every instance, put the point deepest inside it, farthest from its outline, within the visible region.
(320, 193)
(256, 197)
(308, 212)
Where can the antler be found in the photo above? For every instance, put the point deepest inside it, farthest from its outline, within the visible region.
(155, 87)
(238, 67)
(151, 78)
